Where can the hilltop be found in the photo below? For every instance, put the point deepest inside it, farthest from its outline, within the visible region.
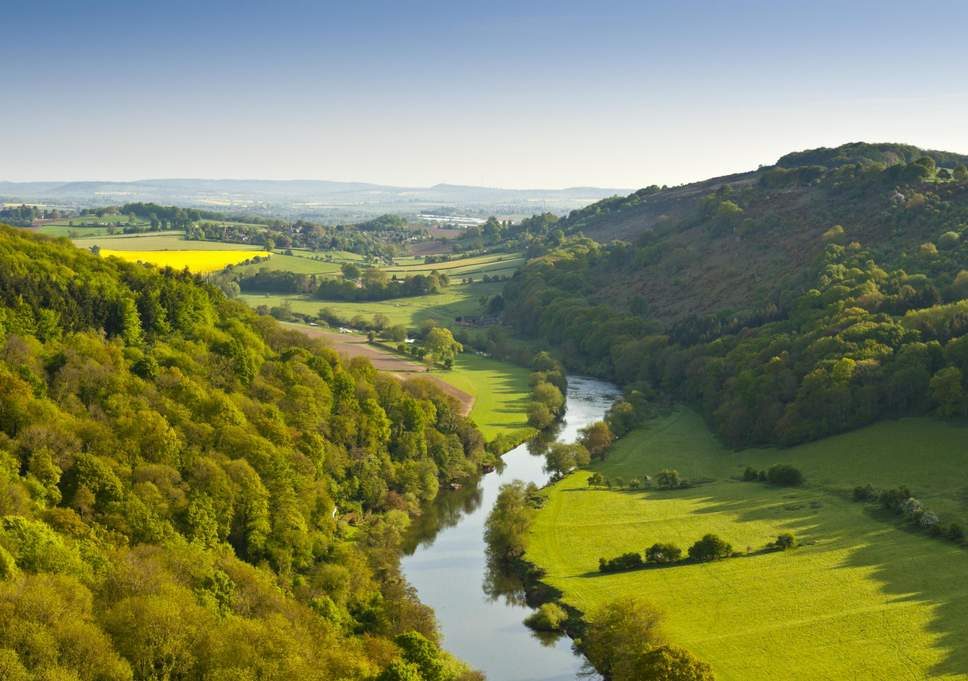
(736, 242)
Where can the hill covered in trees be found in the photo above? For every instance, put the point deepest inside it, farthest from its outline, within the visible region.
(787, 303)
(189, 491)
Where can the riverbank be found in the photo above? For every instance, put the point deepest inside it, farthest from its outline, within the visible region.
(481, 618)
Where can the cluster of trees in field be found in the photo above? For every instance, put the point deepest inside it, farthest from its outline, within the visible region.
(24, 215)
(357, 284)
(666, 479)
(548, 388)
(901, 502)
(780, 474)
(187, 490)
(862, 342)
(705, 550)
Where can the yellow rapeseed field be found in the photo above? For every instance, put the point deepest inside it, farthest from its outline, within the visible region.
(195, 261)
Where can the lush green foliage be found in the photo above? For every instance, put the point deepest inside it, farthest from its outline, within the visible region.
(179, 479)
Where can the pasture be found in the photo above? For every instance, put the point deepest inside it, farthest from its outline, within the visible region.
(860, 598)
(454, 301)
(200, 261)
(159, 241)
(501, 394)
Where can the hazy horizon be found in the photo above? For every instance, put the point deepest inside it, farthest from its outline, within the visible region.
(545, 96)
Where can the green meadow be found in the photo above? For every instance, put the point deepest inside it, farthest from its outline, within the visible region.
(861, 597)
(501, 394)
(454, 301)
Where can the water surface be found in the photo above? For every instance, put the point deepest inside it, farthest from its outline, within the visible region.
(446, 563)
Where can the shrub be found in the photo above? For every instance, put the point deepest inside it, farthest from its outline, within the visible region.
(663, 554)
(891, 499)
(865, 493)
(627, 561)
(955, 533)
(709, 548)
(784, 475)
(549, 617)
(784, 541)
(595, 480)
(668, 479)
(750, 474)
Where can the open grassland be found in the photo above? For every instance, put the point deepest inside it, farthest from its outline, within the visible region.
(454, 301)
(861, 598)
(160, 241)
(71, 232)
(195, 261)
(501, 394)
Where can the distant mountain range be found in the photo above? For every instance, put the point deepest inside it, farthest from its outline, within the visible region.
(310, 198)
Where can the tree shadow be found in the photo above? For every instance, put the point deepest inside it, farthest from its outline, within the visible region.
(908, 565)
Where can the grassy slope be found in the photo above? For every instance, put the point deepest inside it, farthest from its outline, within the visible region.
(861, 598)
(501, 393)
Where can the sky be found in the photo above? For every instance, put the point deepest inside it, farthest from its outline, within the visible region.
(508, 94)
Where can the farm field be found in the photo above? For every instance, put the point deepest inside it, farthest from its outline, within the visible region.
(501, 393)
(56, 230)
(159, 241)
(455, 301)
(861, 598)
(196, 261)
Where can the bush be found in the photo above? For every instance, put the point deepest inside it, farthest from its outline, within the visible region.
(865, 493)
(955, 533)
(891, 499)
(784, 475)
(709, 548)
(750, 474)
(668, 479)
(627, 561)
(549, 617)
(663, 554)
(784, 541)
(596, 480)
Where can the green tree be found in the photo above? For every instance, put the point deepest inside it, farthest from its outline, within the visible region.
(442, 346)
(709, 548)
(619, 633)
(948, 392)
(507, 528)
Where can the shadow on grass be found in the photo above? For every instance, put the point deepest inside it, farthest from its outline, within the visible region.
(909, 566)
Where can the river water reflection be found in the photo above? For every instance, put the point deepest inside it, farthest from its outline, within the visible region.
(481, 618)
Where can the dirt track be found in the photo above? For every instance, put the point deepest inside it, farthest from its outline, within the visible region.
(356, 345)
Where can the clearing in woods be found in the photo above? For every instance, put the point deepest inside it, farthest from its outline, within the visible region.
(861, 597)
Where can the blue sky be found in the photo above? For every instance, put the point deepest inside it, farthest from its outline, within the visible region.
(522, 94)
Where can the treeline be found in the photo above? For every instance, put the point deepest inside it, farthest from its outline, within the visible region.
(860, 343)
(188, 490)
(710, 548)
(370, 284)
(24, 215)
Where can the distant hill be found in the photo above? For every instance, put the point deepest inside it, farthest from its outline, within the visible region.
(702, 260)
(310, 198)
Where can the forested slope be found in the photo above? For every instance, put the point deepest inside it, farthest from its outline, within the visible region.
(800, 301)
(176, 480)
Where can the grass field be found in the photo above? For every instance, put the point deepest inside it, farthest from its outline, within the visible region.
(61, 230)
(159, 241)
(862, 598)
(455, 301)
(501, 394)
(196, 261)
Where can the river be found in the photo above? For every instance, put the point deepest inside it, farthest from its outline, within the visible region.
(445, 561)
